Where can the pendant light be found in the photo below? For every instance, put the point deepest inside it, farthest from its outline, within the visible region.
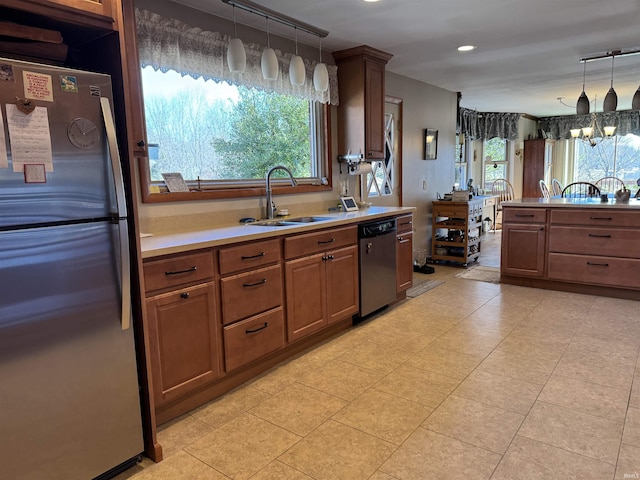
(635, 103)
(297, 72)
(582, 107)
(269, 61)
(320, 74)
(611, 100)
(236, 56)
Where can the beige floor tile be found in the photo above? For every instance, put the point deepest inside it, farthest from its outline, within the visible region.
(634, 398)
(454, 296)
(631, 434)
(180, 466)
(243, 446)
(628, 463)
(430, 455)
(279, 471)
(399, 335)
(543, 349)
(421, 386)
(226, 408)
(381, 476)
(376, 357)
(496, 327)
(337, 451)
(520, 367)
(499, 391)
(341, 379)
(586, 397)
(180, 432)
(470, 344)
(528, 459)
(475, 423)
(283, 375)
(623, 336)
(602, 349)
(445, 362)
(513, 297)
(298, 408)
(595, 369)
(578, 432)
(383, 415)
(443, 311)
(608, 306)
(493, 312)
(546, 330)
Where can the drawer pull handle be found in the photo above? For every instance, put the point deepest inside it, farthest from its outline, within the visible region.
(249, 332)
(255, 284)
(328, 257)
(599, 236)
(524, 215)
(598, 264)
(184, 295)
(249, 257)
(178, 272)
(322, 242)
(403, 240)
(406, 223)
(600, 218)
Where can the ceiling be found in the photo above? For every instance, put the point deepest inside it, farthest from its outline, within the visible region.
(528, 51)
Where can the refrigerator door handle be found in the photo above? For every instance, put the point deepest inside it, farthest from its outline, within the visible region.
(123, 229)
(125, 274)
(114, 153)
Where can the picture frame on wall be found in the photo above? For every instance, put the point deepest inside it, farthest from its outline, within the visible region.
(430, 144)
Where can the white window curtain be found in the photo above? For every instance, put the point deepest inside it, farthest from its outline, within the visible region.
(168, 44)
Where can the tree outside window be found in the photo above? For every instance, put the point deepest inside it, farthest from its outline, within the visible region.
(495, 161)
(618, 156)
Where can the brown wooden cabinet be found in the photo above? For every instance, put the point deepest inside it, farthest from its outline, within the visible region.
(456, 228)
(362, 93)
(523, 242)
(536, 166)
(404, 253)
(321, 277)
(184, 346)
(91, 13)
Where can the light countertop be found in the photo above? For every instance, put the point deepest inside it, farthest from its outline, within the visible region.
(157, 245)
(633, 204)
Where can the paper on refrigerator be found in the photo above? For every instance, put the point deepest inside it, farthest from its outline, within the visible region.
(30, 138)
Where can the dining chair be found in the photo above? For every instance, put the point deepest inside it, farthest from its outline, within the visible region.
(609, 184)
(556, 187)
(502, 189)
(580, 190)
(544, 189)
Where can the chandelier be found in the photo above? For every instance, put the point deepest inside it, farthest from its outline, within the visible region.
(593, 133)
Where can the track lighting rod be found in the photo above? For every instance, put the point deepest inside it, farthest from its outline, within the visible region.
(612, 53)
(278, 17)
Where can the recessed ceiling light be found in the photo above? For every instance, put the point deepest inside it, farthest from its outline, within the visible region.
(371, 1)
(466, 48)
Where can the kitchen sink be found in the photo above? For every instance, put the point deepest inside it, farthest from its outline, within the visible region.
(269, 223)
(306, 219)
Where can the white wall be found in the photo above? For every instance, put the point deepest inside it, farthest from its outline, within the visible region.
(424, 106)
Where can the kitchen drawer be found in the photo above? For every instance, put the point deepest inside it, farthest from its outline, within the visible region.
(252, 338)
(524, 215)
(609, 271)
(179, 270)
(611, 242)
(307, 244)
(595, 217)
(451, 211)
(250, 255)
(404, 224)
(246, 294)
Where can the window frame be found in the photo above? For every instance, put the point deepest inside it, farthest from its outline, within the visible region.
(504, 162)
(157, 192)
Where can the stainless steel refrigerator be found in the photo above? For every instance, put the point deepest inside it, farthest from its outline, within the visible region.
(69, 396)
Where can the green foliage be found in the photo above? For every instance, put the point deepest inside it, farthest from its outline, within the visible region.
(266, 130)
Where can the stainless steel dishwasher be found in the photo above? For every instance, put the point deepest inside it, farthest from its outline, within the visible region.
(377, 259)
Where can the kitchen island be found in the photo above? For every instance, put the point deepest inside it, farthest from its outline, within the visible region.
(580, 245)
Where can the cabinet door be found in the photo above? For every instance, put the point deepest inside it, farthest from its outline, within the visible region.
(183, 337)
(523, 250)
(306, 286)
(374, 110)
(404, 257)
(342, 283)
(99, 7)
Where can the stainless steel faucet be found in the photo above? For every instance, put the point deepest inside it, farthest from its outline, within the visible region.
(271, 208)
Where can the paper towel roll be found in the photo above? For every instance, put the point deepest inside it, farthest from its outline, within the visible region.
(363, 169)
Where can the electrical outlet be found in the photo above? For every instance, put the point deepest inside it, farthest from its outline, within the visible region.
(424, 184)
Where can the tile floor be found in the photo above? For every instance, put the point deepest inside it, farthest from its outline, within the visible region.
(470, 380)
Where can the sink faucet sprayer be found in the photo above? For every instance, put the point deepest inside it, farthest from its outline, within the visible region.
(271, 208)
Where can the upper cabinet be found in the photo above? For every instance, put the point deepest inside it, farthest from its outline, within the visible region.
(95, 13)
(361, 110)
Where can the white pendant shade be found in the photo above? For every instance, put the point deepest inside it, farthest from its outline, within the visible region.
(321, 77)
(297, 72)
(269, 64)
(236, 56)
(635, 103)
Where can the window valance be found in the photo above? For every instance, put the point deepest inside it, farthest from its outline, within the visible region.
(169, 44)
(484, 126)
(626, 121)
